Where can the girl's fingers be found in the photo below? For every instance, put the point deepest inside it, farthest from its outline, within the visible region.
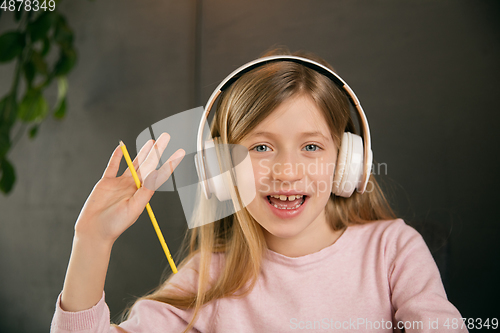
(154, 180)
(139, 159)
(168, 168)
(157, 177)
(153, 158)
(150, 181)
(113, 164)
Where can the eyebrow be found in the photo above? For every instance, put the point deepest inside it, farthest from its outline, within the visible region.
(303, 134)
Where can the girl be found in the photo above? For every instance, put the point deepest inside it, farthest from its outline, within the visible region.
(297, 257)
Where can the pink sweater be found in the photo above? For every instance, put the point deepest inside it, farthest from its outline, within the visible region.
(374, 277)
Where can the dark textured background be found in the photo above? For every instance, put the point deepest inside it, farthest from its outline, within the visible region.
(426, 73)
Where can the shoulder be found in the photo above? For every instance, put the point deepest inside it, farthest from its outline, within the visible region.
(387, 230)
(389, 237)
(397, 228)
(399, 242)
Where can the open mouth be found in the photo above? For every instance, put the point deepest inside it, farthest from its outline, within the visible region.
(287, 202)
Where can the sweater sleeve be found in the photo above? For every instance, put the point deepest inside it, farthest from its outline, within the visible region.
(95, 319)
(146, 316)
(417, 292)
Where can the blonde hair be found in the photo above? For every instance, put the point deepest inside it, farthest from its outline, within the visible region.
(238, 237)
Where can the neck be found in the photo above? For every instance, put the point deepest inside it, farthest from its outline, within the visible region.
(316, 237)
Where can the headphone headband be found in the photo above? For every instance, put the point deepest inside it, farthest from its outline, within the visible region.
(231, 78)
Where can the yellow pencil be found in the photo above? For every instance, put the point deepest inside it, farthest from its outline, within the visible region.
(148, 207)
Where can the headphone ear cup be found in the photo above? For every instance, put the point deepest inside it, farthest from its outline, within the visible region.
(349, 168)
(216, 180)
(340, 165)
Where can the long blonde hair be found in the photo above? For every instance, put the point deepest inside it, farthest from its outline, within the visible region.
(238, 237)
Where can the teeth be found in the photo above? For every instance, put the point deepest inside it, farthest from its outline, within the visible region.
(290, 198)
(289, 207)
(285, 198)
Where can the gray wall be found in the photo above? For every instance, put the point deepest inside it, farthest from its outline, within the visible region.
(426, 73)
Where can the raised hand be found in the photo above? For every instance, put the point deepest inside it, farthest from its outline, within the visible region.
(115, 203)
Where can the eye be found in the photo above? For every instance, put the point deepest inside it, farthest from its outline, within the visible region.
(260, 148)
(311, 147)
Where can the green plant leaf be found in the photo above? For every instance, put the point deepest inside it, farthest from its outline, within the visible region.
(5, 126)
(33, 131)
(63, 35)
(8, 112)
(60, 110)
(8, 175)
(11, 45)
(62, 89)
(3, 109)
(67, 59)
(33, 107)
(39, 63)
(29, 71)
(45, 47)
(4, 142)
(39, 28)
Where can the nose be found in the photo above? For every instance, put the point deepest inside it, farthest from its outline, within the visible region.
(287, 167)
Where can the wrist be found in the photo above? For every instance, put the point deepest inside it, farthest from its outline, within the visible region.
(94, 243)
(86, 273)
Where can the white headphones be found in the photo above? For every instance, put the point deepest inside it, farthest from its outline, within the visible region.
(354, 157)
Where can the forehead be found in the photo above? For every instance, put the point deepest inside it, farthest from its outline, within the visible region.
(295, 116)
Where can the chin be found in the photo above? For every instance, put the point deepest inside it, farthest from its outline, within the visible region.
(283, 230)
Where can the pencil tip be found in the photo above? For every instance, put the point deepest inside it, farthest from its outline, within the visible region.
(121, 143)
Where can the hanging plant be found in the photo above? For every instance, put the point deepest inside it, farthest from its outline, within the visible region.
(41, 28)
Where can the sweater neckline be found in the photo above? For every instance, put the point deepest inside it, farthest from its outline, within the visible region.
(312, 257)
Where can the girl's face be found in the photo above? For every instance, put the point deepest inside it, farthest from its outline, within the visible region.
(293, 158)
